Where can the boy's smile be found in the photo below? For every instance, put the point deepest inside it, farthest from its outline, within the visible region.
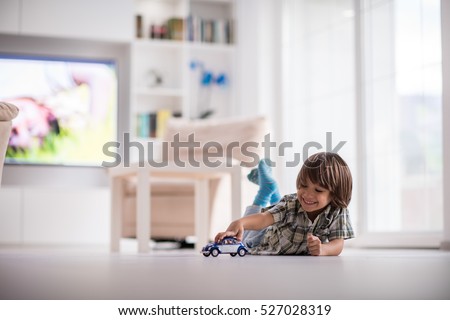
(313, 197)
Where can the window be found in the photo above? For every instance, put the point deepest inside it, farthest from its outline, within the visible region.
(402, 94)
(390, 116)
(318, 72)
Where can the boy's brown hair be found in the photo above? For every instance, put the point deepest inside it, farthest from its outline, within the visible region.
(331, 172)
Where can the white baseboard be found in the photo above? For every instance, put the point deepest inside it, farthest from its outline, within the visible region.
(417, 240)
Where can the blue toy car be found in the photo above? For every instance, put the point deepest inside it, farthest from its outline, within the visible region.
(227, 245)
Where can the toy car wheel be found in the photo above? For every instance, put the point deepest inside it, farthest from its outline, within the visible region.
(215, 252)
(233, 254)
(242, 252)
(206, 254)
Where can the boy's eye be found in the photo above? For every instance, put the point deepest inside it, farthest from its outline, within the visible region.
(317, 190)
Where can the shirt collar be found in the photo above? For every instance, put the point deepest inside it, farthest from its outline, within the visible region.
(325, 212)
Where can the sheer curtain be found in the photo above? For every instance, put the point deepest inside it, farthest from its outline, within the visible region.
(369, 72)
(402, 100)
(318, 86)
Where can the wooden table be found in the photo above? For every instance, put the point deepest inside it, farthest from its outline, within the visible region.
(145, 173)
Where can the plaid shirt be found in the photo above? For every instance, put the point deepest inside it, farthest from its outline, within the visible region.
(288, 234)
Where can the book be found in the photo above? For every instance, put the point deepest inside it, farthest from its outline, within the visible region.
(152, 124)
(175, 28)
(207, 30)
(143, 125)
(229, 31)
(162, 116)
(219, 31)
(139, 26)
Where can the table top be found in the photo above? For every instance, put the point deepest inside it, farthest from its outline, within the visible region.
(172, 170)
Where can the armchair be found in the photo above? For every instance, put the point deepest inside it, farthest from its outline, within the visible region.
(173, 215)
(7, 113)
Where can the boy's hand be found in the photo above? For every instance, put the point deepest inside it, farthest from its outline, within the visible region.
(236, 229)
(314, 245)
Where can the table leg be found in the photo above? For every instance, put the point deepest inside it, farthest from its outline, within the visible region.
(201, 213)
(236, 192)
(116, 210)
(143, 214)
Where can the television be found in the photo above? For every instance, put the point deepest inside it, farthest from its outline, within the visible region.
(68, 108)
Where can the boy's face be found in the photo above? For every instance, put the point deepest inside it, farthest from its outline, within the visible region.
(313, 197)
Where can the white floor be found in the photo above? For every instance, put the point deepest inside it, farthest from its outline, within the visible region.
(93, 273)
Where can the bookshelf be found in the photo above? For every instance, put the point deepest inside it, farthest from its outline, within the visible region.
(183, 61)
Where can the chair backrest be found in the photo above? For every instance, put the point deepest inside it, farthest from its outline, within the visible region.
(7, 113)
(239, 138)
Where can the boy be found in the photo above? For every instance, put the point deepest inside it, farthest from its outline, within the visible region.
(313, 221)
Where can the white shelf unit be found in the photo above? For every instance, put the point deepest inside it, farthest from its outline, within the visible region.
(180, 90)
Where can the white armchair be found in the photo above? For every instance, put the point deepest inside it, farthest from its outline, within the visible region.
(7, 113)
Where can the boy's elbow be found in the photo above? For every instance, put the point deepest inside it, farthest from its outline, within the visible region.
(335, 247)
(339, 251)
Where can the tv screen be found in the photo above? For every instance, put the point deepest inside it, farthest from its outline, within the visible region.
(68, 108)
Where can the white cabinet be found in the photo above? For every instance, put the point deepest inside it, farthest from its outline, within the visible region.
(10, 215)
(190, 71)
(85, 19)
(108, 20)
(54, 215)
(9, 16)
(58, 216)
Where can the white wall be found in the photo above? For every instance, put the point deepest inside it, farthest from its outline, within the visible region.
(259, 70)
(258, 42)
(445, 34)
(107, 20)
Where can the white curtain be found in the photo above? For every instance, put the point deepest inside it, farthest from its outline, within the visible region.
(369, 72)
(318, 86)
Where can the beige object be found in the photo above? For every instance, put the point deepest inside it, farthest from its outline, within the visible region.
(173, 202)
(7, 113)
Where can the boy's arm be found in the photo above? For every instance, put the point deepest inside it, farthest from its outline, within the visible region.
(317, 248)
(255, 221)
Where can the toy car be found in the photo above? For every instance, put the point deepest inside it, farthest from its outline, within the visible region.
(227, 245)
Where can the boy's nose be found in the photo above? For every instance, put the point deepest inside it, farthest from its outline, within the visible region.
(308, 195)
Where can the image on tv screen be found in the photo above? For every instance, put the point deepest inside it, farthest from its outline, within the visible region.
(68, 109)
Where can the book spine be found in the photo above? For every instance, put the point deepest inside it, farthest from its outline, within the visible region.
(139, 26)
(212, 31)
(152, 124)
(143, 125)
(162, 117)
